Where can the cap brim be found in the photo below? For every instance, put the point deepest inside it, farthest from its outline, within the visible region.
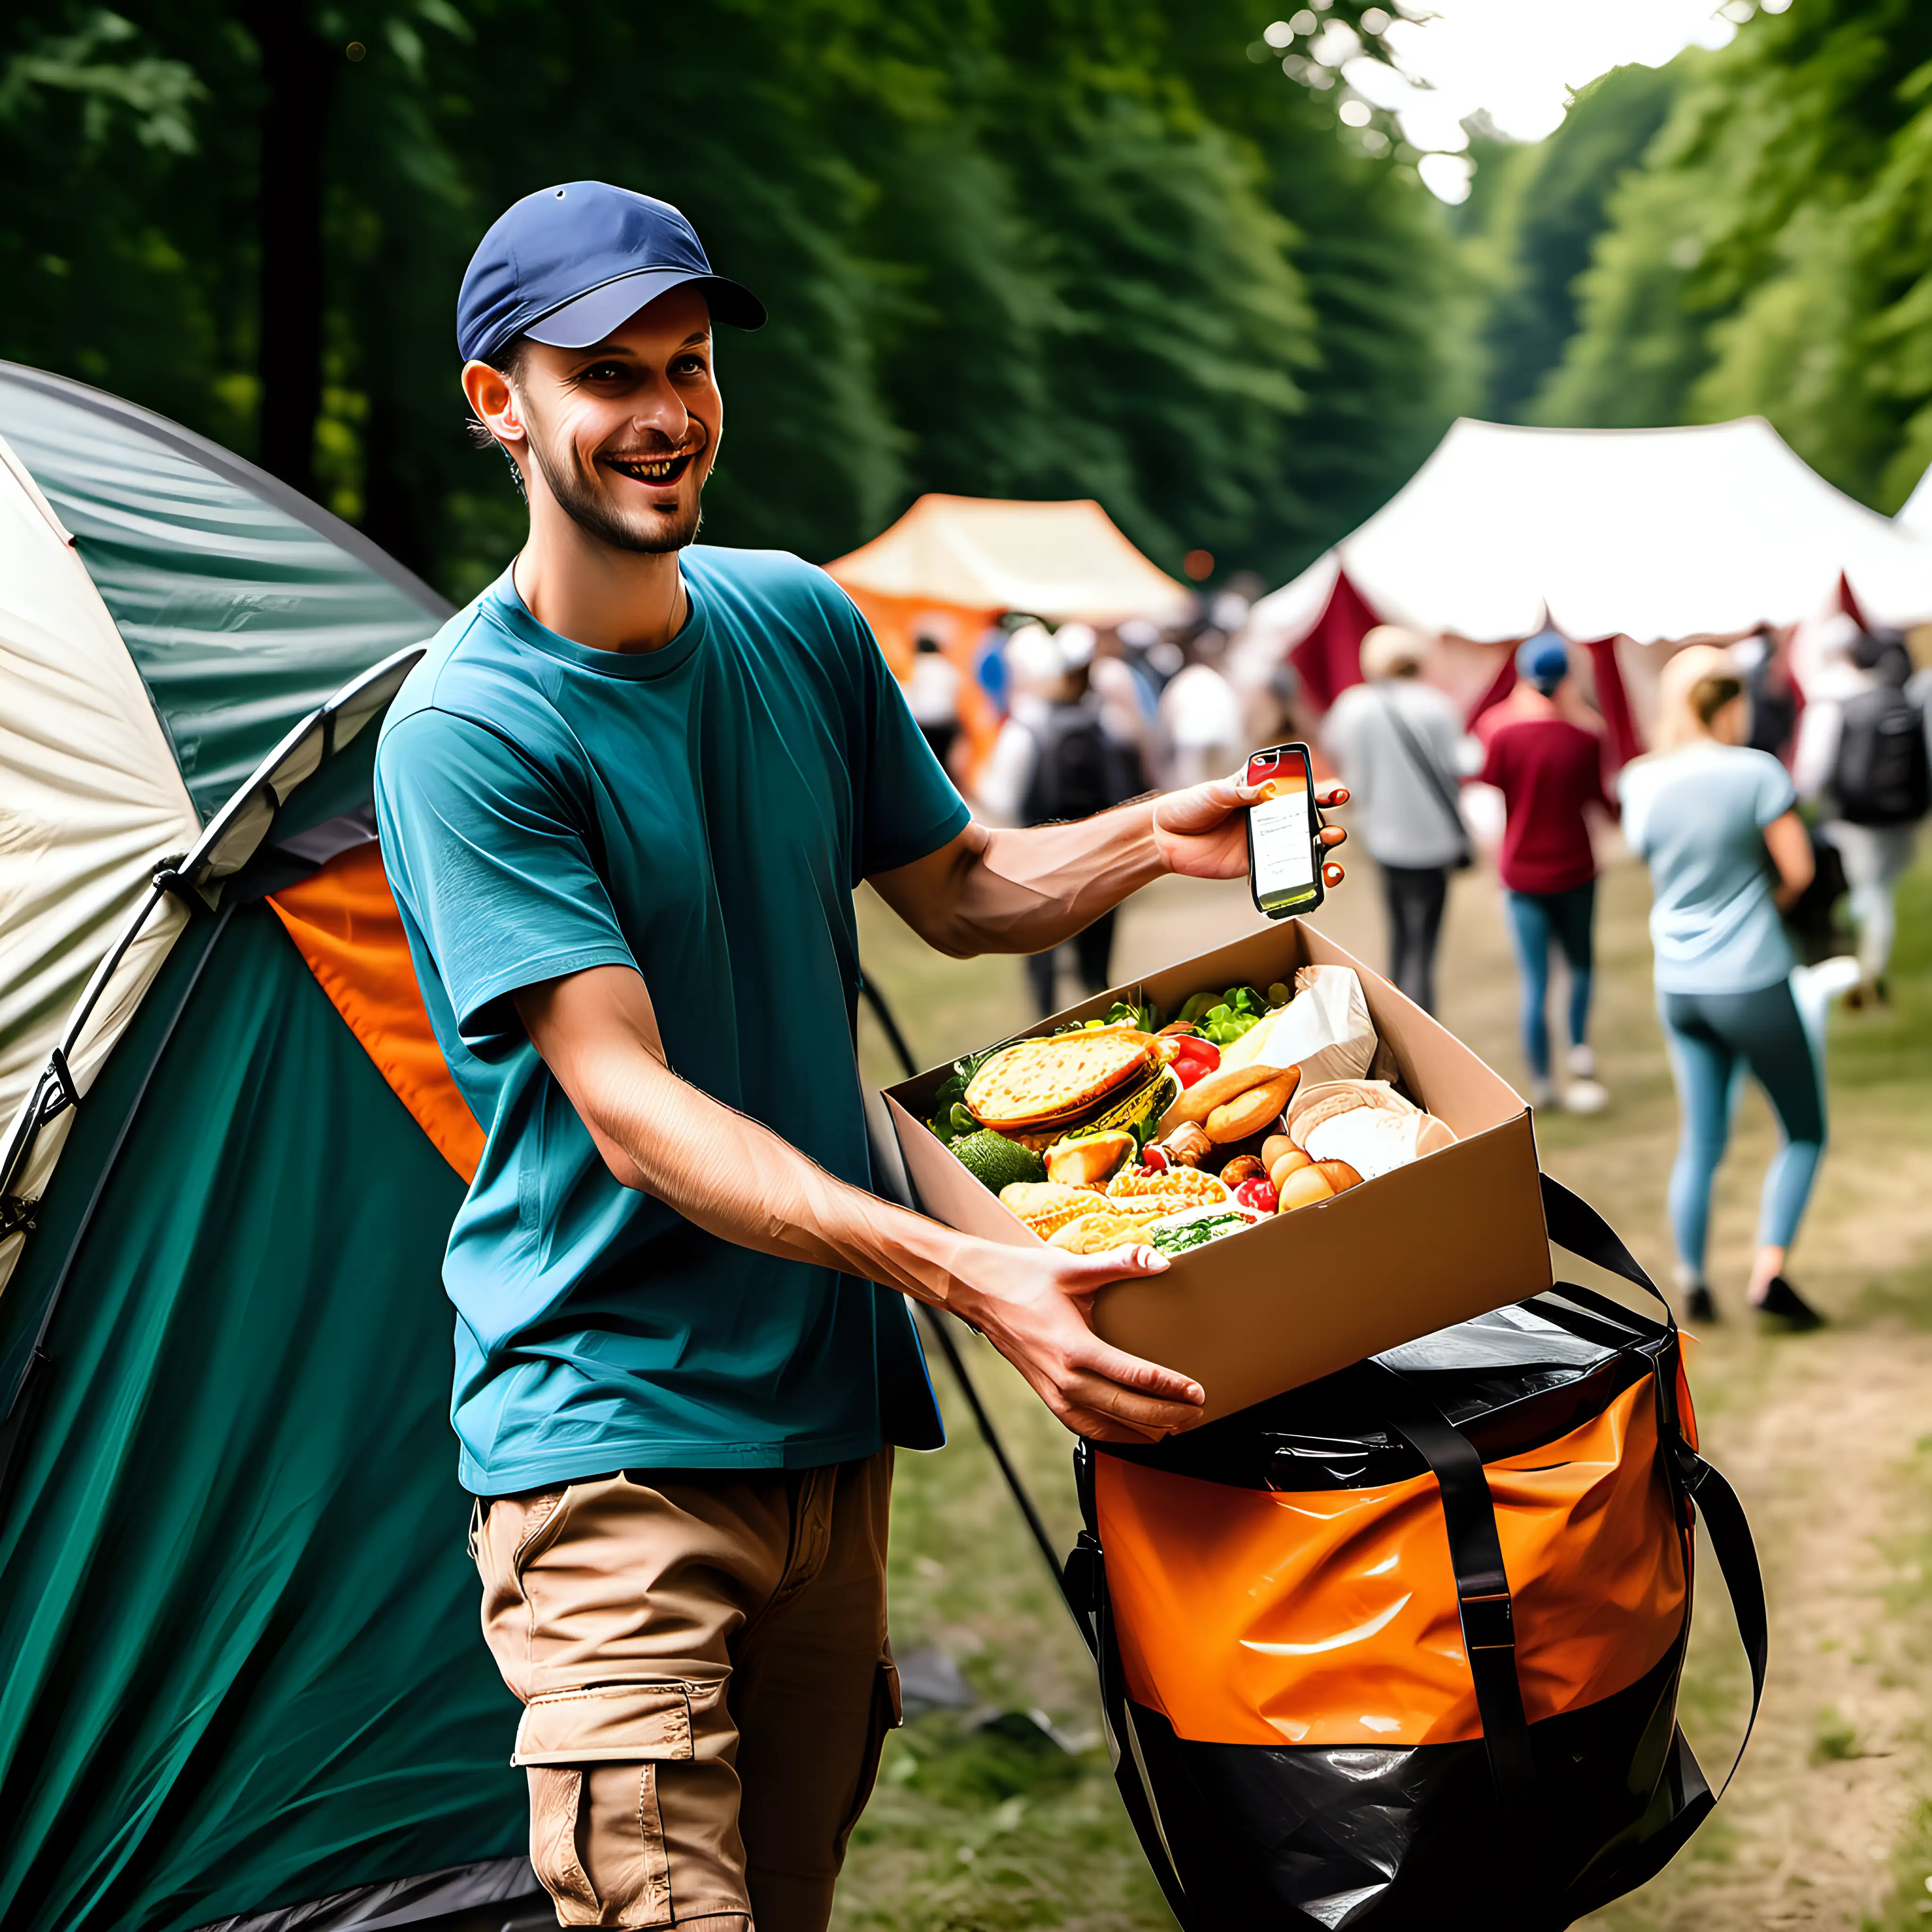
(589, 319)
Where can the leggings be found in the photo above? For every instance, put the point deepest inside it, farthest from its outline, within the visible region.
(1538, 920)
(1708, 1034)
(1415, 895)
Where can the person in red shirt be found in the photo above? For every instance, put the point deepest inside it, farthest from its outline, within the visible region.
(1549, 770)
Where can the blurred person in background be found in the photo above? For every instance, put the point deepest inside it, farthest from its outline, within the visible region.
(1550, 772)
(1399, 747)
(1717, 823)
(989, 668)
(1862, 756)
(1151, 659)
(1055, 759)
(932, 695)
(1128, 727)
(1197, 727)
(1771, 700)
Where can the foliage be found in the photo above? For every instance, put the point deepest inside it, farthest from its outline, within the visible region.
(1773, 254)
(1536, 214)
(1086, 248)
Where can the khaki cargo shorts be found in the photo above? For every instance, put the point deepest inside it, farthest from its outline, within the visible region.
(702, 1658)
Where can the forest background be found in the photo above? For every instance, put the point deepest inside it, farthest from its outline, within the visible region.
(1116, 248)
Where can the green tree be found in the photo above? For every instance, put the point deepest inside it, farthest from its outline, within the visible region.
(1027, 247)
(1773, 253)
(1540, 208)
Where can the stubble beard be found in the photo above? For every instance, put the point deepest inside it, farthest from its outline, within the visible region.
(596, 516)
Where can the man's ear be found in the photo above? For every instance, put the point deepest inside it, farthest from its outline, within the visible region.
(493, 401)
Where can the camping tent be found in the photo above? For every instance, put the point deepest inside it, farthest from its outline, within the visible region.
(1648, 534)
(243, 1685)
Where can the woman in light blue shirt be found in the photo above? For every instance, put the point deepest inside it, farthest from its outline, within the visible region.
(1716, 824)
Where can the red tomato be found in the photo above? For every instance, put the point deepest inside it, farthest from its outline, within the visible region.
(1259, 1194)
(1196, 1059)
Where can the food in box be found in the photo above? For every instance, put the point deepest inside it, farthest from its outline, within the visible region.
(1117, 1130)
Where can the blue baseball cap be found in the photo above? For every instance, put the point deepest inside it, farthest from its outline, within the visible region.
(1543, 661)
(568, 265)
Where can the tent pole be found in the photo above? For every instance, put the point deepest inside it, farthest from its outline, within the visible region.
(936, 1322)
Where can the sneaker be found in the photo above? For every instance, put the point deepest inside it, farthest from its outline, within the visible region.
(1585, 1097)
(1698, 1305)
(1583, 1063)
(1783, 1300)
(1542, 1091)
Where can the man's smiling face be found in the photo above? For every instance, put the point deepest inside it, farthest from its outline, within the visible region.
(624, 433)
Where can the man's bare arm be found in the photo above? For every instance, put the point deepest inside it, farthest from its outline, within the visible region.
(995, 890)
(734, 1177)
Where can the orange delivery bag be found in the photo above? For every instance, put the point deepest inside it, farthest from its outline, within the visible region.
(1400, 1648)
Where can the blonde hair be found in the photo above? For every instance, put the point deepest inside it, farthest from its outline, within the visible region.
(1693, 687)
(1393, 650)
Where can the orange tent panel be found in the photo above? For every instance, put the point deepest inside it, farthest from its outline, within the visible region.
(344, 922)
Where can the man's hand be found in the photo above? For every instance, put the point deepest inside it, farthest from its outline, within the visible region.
(1200, 833)
(1034, 1307)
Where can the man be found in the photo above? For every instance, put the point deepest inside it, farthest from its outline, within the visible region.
(1549, 769)
(624, 802)
(1399, 744)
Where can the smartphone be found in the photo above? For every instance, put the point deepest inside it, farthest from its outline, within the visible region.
(1285, 855)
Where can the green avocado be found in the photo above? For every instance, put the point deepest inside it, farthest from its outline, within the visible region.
(996, 1161)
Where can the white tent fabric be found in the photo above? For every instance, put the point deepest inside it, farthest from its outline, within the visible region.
(1914, 513)
(1650, 533)
(92, 798)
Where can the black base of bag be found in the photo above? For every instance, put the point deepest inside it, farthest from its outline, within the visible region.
(1375, 1841)
(1527, 1829)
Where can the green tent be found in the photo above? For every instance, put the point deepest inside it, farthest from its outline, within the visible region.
(244, 1684)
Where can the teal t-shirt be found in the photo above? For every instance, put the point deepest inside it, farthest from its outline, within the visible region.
(702, 812)
(1696, 817)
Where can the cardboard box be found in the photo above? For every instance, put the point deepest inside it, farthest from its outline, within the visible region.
(1453, 1234)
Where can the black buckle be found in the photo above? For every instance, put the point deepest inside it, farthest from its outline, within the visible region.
(1489, 1622)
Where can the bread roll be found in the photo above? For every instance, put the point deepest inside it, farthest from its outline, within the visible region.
(1303, 1188)
(1251, 1110)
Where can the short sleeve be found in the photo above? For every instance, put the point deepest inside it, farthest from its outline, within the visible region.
(1776, 793)
(907, 806)
(1492, 759)
(493, 876)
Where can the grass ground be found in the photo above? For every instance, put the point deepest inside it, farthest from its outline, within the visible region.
(979, 1828)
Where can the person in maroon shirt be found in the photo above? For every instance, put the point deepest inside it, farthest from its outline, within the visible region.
(1549, 770)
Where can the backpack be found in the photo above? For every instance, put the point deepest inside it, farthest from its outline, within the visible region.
(1078, 772)
(1880, 776)
(1401, 1648)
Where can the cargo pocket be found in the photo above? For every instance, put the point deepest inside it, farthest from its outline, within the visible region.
(596, 1833)
(887, 1714)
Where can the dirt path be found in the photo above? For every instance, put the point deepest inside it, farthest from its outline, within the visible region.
(1826, 1436)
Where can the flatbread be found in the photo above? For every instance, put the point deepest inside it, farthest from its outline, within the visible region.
(1036, 1081)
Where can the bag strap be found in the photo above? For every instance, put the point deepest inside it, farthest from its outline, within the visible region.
(1729, 1531)
(1418, 756)
(1483, 1599)
(1574, 1224)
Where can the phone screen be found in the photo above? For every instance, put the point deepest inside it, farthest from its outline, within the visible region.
(1282, 869)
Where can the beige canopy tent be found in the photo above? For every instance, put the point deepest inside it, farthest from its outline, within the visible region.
(952, 565)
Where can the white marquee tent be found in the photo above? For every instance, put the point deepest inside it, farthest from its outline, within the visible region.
(1654, 534)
